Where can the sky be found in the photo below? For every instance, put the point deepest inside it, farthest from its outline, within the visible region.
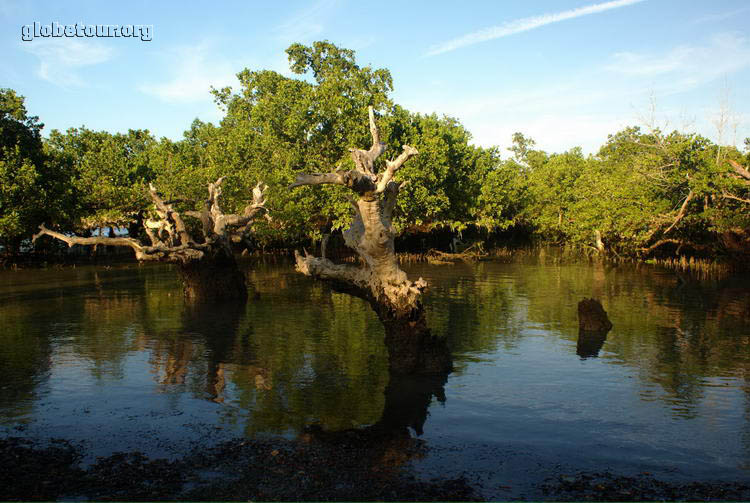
(566, 73)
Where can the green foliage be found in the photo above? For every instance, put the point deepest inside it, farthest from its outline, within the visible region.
(445, 179)
(32, 190)
(644, 192)
(503, 195)
(276, 126)
(110, 173)
(552, 194)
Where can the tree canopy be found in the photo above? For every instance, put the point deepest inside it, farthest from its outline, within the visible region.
(33, 188)
(645, 192)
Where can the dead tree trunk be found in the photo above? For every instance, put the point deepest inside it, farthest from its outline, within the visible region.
(207, 267)
(380, 280)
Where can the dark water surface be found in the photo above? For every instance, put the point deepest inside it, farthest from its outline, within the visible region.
(112, 359)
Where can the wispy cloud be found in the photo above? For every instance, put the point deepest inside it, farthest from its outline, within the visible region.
(307, 23)
(9, 8)
(60, 59)
(581, 109)
(686, 66)
(195, 69)
(525, 24)
(721, 16)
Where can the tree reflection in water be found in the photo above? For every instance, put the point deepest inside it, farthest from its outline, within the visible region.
(301, 355)
(212, 334)
(590, 343)
(388, 443)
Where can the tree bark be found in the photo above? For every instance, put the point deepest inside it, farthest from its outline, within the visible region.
(208, 269)
(598, 241)
(380, 280)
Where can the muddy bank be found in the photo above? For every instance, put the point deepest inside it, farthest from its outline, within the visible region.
(313, 467)
(279, 469)
(607, 486)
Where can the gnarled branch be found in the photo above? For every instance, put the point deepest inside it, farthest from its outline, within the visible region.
(365, 178)
(392, 166)
(380, 280)
(358, 181)
(172, 221)
(740, 170)
(97, 240)
(221, 220)
(365, 159)
(681, 213)
(178, 246)
(727, 195)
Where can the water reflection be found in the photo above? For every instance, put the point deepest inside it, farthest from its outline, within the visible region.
(590, 343)
(300, 355)
(25, 361)
(389, 443)
(675, 332)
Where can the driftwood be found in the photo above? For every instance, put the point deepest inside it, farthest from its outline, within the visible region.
(207, 266)
(470, 254)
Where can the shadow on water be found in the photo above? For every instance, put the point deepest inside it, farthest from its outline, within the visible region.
(407, 396)
(217, 327)
(317, 372)
(590, 343)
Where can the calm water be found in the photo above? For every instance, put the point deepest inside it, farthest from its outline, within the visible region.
(112, 359)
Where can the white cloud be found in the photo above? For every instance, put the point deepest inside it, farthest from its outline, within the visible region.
(721, 16)
(552, 132)
(687, 66)
(307, 23)
(9, 9)
(582, 109)
(61, 58)
(558, 116)
(525, 24)
(194, 70)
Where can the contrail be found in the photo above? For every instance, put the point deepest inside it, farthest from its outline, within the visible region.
(525, 24)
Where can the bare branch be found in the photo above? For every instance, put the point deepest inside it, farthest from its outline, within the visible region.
(150, 226)
(171, 224)
(99, 240)
(356, 180)
(389, 200)
(681, 213)
(740, 170)
(393, 166)
(323, 268)
(167, 213)
(259, 195)
(222, 221)
(214, 192)
(373, 128)
(727, 195)
(335, 178)
(679, 242)
(378, 147)
(205, 217)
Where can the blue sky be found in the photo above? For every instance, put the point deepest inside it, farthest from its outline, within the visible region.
(566, 73)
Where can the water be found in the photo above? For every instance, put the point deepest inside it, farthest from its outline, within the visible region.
(113, 360)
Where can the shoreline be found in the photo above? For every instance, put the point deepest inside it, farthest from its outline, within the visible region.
(317, 466)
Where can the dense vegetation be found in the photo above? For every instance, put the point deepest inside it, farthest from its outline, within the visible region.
(645, 192)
